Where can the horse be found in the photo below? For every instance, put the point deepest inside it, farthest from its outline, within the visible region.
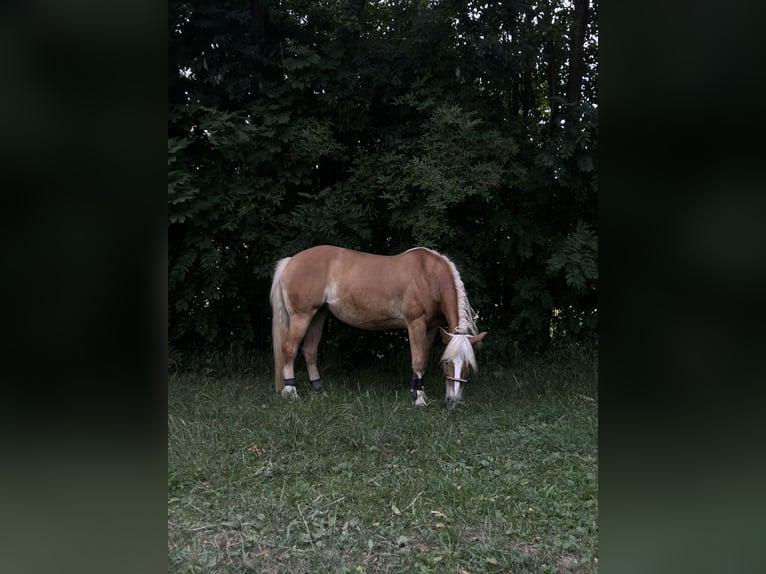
(419, 290)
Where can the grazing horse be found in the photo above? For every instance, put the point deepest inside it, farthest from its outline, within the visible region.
(419, 290)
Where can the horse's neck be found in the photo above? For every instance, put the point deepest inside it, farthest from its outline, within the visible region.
(438, 267)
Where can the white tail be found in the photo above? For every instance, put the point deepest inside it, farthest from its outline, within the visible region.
(280, 321)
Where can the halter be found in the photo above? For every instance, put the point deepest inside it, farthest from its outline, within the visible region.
(456, 379)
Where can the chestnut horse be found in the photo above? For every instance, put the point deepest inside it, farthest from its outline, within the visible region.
(419, 290)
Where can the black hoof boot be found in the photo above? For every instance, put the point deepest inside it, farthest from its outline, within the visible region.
(316, 387)
(417, 385)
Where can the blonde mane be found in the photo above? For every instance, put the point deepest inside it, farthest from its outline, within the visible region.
(460, 347)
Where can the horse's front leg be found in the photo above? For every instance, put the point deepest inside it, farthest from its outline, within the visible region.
(420, 343)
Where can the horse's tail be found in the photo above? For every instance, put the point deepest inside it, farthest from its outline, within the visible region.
(280, 321)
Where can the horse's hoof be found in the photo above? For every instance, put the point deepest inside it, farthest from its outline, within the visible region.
(451, 403)
(316, 387)
(290, 392)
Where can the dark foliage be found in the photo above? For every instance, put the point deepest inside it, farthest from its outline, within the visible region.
(464, 126)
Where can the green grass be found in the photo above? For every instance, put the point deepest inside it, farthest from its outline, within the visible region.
(363, 481)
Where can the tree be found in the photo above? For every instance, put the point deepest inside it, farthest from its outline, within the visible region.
(465, 126)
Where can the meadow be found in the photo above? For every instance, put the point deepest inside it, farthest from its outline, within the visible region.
(363, 481)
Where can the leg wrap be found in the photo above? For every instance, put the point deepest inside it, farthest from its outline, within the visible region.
(290, 390)
(417, 385)
(316, 386)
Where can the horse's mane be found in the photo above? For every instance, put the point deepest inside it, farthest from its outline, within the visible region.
(459, 347)
(466, 325)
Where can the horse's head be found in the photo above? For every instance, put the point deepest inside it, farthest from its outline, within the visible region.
(458, 361)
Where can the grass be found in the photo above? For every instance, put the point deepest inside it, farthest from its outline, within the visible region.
(363, 481)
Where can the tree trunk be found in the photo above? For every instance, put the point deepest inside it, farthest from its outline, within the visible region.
(527, 76)
(552, 67)
(259, 9)
(576, 48)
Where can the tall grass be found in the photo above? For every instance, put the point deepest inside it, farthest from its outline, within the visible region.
(363, 481)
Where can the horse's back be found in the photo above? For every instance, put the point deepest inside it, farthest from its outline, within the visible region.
(330, 261)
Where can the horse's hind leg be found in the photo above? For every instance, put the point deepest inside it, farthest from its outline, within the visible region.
(298, 326)
(310, 346)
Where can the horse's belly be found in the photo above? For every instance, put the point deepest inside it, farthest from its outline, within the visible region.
(368, 318)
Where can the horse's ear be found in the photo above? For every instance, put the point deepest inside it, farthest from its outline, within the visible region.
(445, 336)
(477, 338)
